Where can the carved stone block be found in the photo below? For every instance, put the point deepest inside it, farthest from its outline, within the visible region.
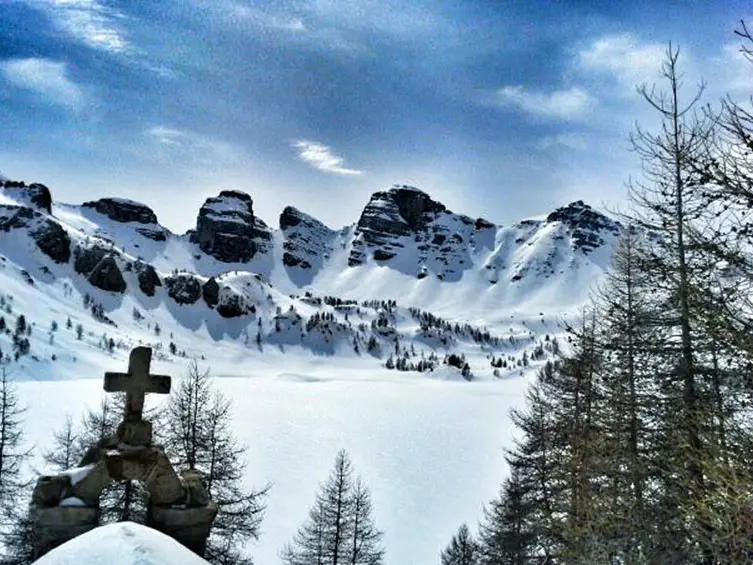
(188, 525)
(50, 490)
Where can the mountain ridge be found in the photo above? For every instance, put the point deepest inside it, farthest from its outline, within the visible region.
(466, 286)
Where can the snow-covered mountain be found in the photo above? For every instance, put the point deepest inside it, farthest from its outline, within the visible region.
(310, 317)
(410, 280)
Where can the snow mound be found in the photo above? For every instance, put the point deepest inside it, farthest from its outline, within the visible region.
(124, 543)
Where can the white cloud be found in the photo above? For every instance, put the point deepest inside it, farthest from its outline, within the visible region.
(321, 157)
(45, 77)
(180, 146)
(569, 104)
(88, 21)
(632, 63)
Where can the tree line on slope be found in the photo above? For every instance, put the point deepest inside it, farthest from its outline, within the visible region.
(635, 447)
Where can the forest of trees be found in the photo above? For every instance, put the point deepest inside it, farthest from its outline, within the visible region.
(635, 446)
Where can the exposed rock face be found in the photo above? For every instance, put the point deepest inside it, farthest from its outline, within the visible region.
(50, 237)
(586, 226)
(211, 292)
(228, 230)
(183, 288)
(308, 242)
(36, 195)
(53, 241)
(405, 217)
(232, 304)
(122, 210)
(100, 268)
(126, 211)
(148, 279)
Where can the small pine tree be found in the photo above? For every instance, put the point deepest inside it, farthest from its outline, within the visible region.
(462, 549)
(340, 528)
(65, 451)
(198, 437)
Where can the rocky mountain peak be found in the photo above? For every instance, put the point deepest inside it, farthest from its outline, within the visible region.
(308, 242)
(586, 225)
(35, 194)
(227, 229)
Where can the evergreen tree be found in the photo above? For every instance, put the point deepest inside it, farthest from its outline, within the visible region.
(198, 437)
(462, 549)
(14, 486)
(65, 452)
(505, 533)
(340, 528)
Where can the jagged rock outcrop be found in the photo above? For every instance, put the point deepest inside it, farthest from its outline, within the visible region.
(211, 292)
(308, 242)
(122, 210)
(148, 279)
(231, 304)
(52, 240)
(49, 236)
(100, 267)
(183, 288)
(127, 211)
(227, 229)
(406, 220)
(586, 226)
(35, 194)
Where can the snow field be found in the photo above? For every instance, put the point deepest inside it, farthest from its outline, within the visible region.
(431, 451)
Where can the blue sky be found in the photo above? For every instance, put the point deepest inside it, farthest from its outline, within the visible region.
(499, 109)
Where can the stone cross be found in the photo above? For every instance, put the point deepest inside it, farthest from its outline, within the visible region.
(137, 382)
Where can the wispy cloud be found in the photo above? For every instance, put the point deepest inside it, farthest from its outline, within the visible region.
(182, 146)
(47, 78)
(89, 21)
(631, 62)
(321, 157)
(570, 104)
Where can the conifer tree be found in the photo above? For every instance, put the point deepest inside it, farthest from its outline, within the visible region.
(462, 549)
(198, 437)
(340, 529)
(505, 533)
(15, 526)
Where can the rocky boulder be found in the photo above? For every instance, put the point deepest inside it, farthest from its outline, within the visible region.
(122, 210)
(100, 267)
(232, 304)
(148, 279)
(52, 240)
(35, 194)
(211, 292)
(183, 288)
(227, 229)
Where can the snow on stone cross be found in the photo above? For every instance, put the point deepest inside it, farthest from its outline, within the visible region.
(137, 382)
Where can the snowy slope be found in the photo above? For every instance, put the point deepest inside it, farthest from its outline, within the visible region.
(121, 544)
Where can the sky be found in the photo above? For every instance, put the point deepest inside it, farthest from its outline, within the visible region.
(499, 109)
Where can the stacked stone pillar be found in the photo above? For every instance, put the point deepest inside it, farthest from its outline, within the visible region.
(67, 505)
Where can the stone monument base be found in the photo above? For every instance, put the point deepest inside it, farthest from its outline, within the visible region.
(56, 525)
(189, 525)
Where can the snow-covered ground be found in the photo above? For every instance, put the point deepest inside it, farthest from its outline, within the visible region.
(430, 450)
(121, 544)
